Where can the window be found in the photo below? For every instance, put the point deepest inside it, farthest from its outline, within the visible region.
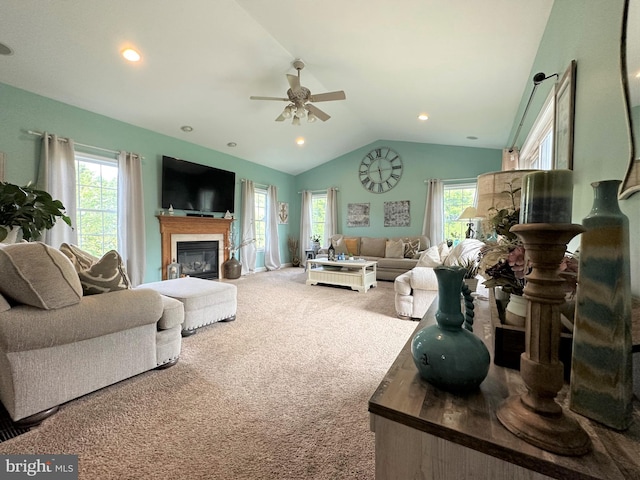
(457, 197)
(318, 214)
(97, 203)
(537, 149)
(260, 220)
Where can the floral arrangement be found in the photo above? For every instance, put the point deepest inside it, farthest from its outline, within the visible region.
(234, 242)
(502, 261)
(315, 238)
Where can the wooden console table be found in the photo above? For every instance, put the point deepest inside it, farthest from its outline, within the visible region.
(422, 432)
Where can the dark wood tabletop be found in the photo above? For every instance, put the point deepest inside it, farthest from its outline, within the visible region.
(470, 420)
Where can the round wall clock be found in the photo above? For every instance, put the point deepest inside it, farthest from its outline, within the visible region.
(380, 170)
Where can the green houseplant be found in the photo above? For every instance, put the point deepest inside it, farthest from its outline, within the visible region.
(30, 209)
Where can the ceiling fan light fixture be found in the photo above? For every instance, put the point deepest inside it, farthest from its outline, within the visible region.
(300, 112)
(311, 118)
(287, 112)
(296, 121)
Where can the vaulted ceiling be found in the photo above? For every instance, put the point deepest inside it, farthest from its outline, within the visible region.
(465, 63)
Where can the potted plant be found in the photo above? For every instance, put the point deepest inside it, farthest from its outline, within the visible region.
(28, 209)
(232, 267)
(470, 266)
(315, 242)
(294, 252)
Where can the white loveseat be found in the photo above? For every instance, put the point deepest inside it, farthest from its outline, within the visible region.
(414, 289)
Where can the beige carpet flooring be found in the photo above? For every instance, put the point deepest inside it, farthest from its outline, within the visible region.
(281, 393)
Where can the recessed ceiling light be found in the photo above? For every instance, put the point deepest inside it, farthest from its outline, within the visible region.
(5, 50)
(300, 141)
(423, 117)
(131, 55)
(232, 144)
(186, 128)
(471, 137)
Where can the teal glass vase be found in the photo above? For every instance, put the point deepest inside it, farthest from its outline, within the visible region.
(448, 355)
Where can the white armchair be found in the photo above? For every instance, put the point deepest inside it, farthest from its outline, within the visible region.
(416, 289)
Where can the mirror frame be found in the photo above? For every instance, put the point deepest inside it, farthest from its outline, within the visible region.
(629, 186)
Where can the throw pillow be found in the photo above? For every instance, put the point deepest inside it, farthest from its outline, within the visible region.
(38, 275)
(443, 251)
(81, 260)
(429, 258)
(411, 248)
(340, 246)
(106, 275)
(394, 249)
(352, 245)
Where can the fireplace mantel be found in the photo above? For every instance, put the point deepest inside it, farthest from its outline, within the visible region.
(171, 224)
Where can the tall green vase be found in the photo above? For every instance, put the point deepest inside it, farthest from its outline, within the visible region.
(601, 367)
(447, 354)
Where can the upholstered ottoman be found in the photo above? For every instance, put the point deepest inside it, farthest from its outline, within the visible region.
(205, 301)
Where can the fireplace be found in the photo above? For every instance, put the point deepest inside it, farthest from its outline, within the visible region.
(179, 229)
(198, 259)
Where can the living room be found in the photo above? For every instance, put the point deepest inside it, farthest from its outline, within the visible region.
(586, 31)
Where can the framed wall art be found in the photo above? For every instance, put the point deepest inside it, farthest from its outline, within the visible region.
(564, 118)
(397, 214)
(283, 213)
(358, 214)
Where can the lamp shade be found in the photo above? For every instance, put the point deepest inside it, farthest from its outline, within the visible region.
(494, 191)
(468, 214)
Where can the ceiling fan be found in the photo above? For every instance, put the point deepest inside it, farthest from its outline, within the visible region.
(299, 98)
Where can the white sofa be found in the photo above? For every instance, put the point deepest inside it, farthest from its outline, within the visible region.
(394, 255)
(57, 344)
(414, 289)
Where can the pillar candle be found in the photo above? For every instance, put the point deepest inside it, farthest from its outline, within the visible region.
(546, 197)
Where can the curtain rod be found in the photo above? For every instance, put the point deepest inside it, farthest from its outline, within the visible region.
(472, 179)
(62, 139)
(256, 184)
(321, 191)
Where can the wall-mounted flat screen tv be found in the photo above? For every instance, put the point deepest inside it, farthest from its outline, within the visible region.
(195, 187)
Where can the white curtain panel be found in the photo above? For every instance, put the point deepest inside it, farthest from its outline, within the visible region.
(331, 215)
(57, 176)
(305, 224)
(131, 228)
(247, 232)
(272, 242)
(433, 225)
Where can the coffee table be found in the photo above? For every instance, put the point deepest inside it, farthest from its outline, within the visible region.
(360, 275)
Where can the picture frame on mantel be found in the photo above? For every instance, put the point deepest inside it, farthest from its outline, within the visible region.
(564, 119)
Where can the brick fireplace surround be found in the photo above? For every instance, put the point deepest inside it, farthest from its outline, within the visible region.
(179, 225)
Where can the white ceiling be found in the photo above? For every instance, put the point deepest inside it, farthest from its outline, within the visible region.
(464, 62)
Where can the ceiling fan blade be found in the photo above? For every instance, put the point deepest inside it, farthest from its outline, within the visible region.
(294, 82)
(280, 118)
(317, 112)
(268, 98)
(325, 97)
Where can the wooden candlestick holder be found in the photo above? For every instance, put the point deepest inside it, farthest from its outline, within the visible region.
(535, 416)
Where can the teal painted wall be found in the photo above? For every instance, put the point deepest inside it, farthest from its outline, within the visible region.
(21, 111)
(420, 162)
(589, 31)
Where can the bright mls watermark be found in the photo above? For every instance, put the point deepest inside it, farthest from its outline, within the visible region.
(51, 467)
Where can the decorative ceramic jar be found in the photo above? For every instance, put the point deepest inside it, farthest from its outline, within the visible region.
(173, 270)
(448, 355)
(601, 367)
(232, 267)
(516, 311)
